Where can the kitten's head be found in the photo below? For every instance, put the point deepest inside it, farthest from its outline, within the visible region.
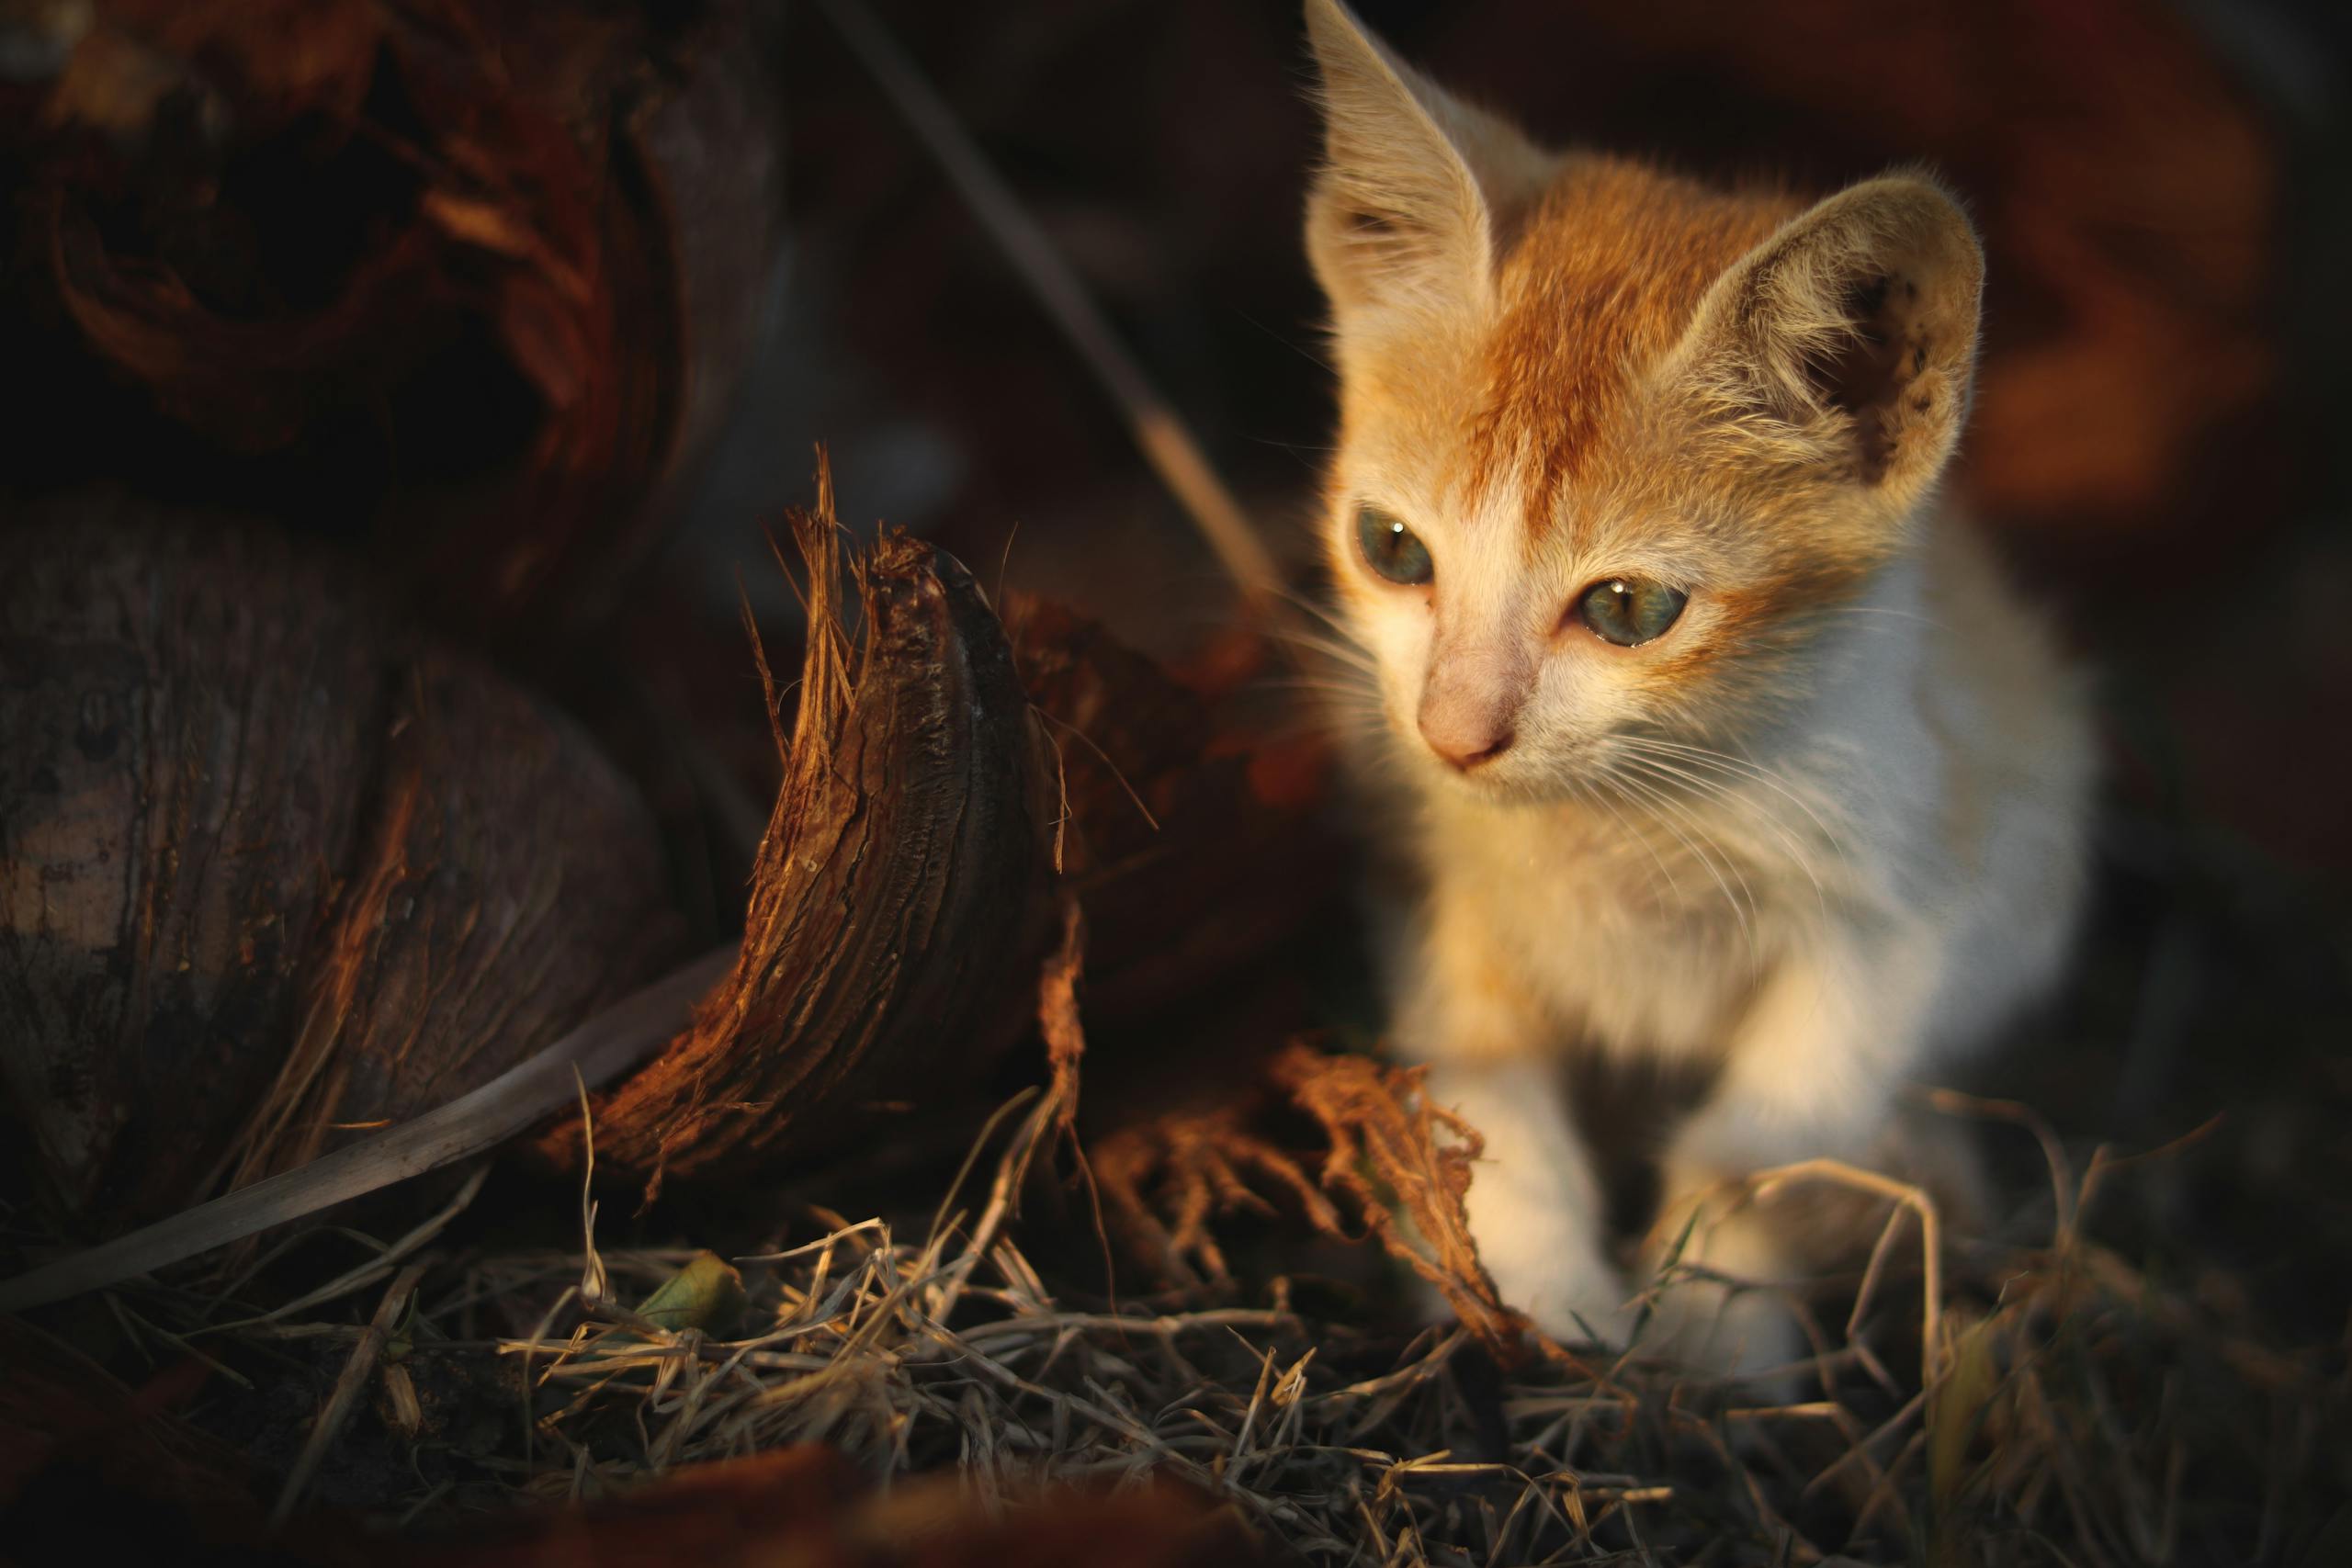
(1612, 445)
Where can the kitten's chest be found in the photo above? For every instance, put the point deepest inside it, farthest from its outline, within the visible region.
(1632, 947)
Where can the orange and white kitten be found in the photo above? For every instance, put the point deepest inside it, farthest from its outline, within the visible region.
(1713, 740)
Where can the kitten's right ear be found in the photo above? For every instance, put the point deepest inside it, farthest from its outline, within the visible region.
(1413, 183)
(1848, 340)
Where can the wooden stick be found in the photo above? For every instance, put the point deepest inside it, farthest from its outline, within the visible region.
(1166, 445)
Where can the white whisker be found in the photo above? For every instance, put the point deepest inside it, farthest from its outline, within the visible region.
(1352, 654)
(1740, 767)
(1603, 782)
(1667, 815)
(1716, 790)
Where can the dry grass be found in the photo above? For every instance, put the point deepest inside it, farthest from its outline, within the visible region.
(2072, 1411)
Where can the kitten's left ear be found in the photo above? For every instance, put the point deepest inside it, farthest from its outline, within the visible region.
(1416, 185)
(1848, 338)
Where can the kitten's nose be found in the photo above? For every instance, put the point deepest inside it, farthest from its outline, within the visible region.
(1466, 740)
(1469, 708)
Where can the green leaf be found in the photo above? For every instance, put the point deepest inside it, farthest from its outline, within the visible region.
(707, 1293)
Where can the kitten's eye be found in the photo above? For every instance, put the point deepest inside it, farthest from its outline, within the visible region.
(1629, 611)
(1392, 549)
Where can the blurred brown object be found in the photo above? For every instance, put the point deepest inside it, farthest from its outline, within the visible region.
(806, 1507)
(88, 1463)
(1194, 838)
(91, 1466)
(472, 281)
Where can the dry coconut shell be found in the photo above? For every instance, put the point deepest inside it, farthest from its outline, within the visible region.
(904, 897)
(260, 848)
(509, 884)
(187, 721)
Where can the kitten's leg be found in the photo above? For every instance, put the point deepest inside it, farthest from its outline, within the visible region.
(1812, 1071)
(1534, 1207)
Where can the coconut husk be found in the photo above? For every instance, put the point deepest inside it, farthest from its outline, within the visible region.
(477, 923)
(1384, 1163)
(473, 883)
(473, 282)
(904, 895)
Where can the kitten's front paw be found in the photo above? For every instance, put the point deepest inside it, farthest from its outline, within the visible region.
(1578, 1316)
(1591, 1318)
(1559, 1281)
(1575, 1300)
(1720, 1304)
(1728, 1331)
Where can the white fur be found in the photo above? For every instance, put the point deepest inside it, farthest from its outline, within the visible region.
(1816, 933)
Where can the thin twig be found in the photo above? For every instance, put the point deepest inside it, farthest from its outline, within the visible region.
(348, 1385)
(1157, 427)
(375, 1268)
(1903, 1193)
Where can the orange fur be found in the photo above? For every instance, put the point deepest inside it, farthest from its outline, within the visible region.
(1598, 285)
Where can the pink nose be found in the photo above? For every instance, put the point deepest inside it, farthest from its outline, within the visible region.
(1470, 706)
(1465, 739)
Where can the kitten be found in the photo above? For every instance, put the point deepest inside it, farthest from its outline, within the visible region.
(1710, 740)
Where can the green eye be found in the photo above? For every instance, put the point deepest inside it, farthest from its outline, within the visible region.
(1391, 549)
(1629, 611)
